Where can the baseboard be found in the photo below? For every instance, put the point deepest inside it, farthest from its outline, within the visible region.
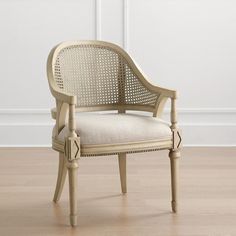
(201, 127)
(184, 146)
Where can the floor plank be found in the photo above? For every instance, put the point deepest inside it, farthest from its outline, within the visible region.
(207, 195)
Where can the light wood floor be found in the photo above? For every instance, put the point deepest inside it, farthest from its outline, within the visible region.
(207, 197)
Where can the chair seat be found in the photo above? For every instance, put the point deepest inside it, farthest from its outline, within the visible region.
(114, 128)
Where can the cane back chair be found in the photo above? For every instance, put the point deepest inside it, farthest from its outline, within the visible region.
(89, 78)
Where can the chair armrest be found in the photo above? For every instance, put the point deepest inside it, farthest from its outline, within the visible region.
(164, 92)
(65, 103)
(54, 113)
(63, 96)
(64, 114)
(60, 95)
(145, 82)
(72, 141)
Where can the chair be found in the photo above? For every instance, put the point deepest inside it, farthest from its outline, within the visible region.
(89, 79)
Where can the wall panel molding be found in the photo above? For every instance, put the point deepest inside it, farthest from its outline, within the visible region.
(97, 19)
(201, 127)
(110, 19)
(125, 25)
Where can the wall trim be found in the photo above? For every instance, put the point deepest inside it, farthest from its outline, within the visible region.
(98, 26)
(24, 111)
(49, 124)
(125, 25)
(184, 146)
(167, 110)
(179, 110)
(26, 146)
(201, 127)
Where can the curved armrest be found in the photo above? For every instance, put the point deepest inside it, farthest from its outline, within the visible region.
(143, 78)
(63, 96)
(164, 92)
(54, 113)
(56, 92)
(72, 141)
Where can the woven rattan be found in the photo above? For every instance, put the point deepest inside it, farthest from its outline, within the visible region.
(99, 75)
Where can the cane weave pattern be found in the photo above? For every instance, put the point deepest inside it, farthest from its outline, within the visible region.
(99, 75)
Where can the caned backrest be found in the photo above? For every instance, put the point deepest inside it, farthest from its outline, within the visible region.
(99, 74)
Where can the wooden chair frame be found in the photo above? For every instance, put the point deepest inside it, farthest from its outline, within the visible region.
(71, 150)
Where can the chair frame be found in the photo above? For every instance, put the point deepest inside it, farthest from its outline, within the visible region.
(71, 150)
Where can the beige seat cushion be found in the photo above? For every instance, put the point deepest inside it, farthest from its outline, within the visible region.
(114, 128)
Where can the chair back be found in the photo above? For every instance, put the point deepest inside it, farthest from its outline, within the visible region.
(100, 74)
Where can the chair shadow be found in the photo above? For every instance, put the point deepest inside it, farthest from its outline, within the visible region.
(55, 216)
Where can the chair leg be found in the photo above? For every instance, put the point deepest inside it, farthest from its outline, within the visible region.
(62, 170)
(174, 164)
(72, 173)
(122, 168)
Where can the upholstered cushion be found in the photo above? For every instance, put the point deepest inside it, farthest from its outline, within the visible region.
(114, 128)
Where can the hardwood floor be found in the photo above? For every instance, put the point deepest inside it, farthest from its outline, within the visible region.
(207, 203)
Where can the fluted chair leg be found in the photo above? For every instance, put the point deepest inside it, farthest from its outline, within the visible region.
(62, 170)
(72, 173)
(122, 168)
(174, 164)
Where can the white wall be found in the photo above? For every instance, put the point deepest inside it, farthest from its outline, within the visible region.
(188, 45)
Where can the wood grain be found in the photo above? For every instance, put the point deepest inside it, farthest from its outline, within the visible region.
(207, 201)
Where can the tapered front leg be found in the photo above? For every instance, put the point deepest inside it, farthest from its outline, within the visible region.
(73, 188)
(122, 168)
(174, 164)
(62, 171)
(174, 155)
(72, 152)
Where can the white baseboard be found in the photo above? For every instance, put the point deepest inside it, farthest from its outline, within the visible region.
(201, 127)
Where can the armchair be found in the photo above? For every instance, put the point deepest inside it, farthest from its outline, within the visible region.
(89, 79)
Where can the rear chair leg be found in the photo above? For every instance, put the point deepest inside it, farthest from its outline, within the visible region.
(122, 168)
(62, 170)
(174, 165)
